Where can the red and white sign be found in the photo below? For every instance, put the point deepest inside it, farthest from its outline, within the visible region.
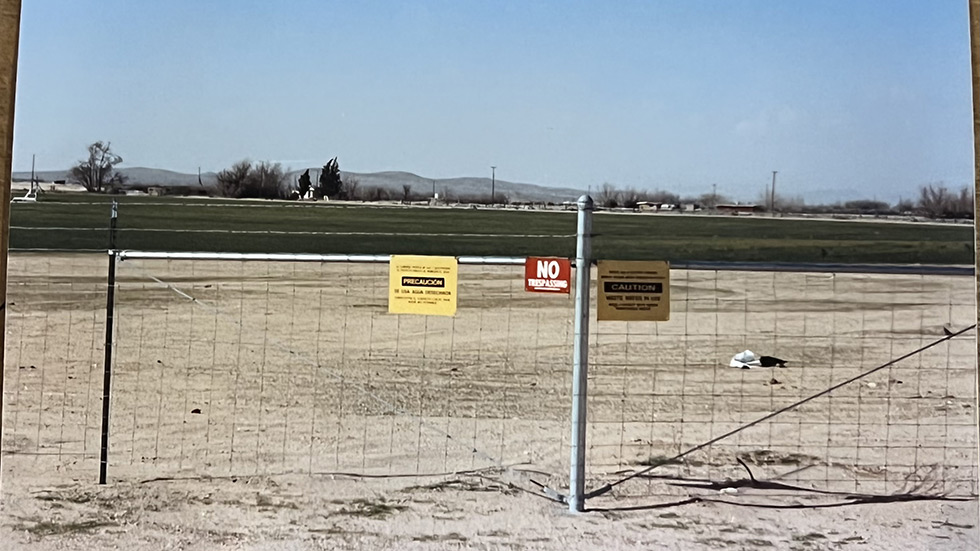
(548, 275)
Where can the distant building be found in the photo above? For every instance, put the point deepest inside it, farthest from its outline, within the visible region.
(156, 191)
(656, 206)
(739, 208)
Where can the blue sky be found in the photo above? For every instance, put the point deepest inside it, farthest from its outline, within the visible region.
(845, 99)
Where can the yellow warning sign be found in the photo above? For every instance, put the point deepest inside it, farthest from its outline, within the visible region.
(633, 290)
(422, 285)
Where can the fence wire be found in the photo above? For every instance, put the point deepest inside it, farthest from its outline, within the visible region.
(298, 368)
(53, 379)
(661, 389)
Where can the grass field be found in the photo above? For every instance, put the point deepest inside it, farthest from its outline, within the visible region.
(239, 226)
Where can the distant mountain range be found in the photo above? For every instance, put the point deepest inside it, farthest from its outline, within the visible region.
(392, 181)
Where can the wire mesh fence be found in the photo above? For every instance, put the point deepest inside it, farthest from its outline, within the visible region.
(297, 367)
(226, 368)
(662, 389)
(53, 380)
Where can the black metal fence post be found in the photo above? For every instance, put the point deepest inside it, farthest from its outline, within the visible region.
(107, 370)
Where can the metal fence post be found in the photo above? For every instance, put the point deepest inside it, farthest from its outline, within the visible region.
(580, 362)
(107, 368)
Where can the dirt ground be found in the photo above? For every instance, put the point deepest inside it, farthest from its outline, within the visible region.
(279, 406)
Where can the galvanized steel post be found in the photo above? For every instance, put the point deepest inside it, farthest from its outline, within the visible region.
(580, 362)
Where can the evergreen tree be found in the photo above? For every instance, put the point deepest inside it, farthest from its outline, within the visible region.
(331, 186)
(304, 183)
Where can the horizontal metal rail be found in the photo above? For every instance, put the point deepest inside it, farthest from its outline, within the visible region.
(302, 257)
(912, 269)
(895, 269)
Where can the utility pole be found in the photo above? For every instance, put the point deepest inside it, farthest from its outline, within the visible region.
(714, 196)
(772, 195)
(493, 184)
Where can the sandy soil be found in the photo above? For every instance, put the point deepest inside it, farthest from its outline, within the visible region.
(285, 409)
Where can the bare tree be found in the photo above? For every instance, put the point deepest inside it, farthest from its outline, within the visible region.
(607, 196)
(97, 174)
(481, 198)
(374, 193)
(231, 181)
(934, 200)
(904, 206)
(711, 200)
(629, 198)
(267, 181)
(611, 197)
(406, 192)
(867, 206)
(263, 180)
(781, 203)
(351, 188)
(793, 203)
(964, 203)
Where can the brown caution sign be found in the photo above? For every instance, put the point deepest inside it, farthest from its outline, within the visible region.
(422, 285)
(633, 290)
